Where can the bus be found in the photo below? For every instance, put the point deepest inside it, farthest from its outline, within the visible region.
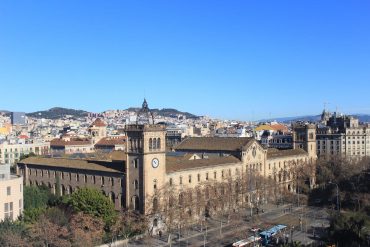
(269, 234)
(249, 242)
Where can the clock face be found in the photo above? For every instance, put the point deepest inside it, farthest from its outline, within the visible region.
(155, 163)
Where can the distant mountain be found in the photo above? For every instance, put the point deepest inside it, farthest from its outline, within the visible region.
(313, 118)
(58, 112)
(166, 112)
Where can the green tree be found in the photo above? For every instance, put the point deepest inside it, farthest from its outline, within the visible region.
(35, 197)
(24, 156)
(347, 229)
(93, 202)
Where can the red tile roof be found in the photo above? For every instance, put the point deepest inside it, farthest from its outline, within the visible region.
(73, 142)
(112, 141)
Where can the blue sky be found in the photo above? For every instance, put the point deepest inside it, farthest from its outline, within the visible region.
(229, 59)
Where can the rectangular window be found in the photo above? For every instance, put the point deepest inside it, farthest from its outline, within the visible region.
(189, 179)
(207, 176)
(8, 190)
(8, 210)
(180, 180)
(20, 206)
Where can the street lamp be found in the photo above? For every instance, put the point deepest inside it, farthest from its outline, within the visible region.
(337, 195)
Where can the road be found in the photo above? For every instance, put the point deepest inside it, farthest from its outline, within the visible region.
(311, 225)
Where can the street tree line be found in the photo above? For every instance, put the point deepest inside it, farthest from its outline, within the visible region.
(179, 207)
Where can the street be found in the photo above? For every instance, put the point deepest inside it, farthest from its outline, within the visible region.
(305, 223)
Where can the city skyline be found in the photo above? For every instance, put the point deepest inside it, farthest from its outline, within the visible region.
(244, 61)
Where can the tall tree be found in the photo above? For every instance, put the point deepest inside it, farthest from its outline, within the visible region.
(93, 202)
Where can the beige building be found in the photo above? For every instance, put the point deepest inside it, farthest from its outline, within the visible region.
(146, 168)
(11, 153)
(342, 136)
(11, 194)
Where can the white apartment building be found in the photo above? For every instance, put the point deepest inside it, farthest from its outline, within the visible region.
(11, 194)
(11, 153)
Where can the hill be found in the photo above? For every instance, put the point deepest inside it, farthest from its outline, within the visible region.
(57, 112)
(166, 112)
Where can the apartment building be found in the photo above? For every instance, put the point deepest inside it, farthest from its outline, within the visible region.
(11, 153)
(11, 194)
(342, 135)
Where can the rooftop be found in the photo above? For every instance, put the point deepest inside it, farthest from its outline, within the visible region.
(178, 163)
(98, 123)
(214, 143)
(72, 142)
(276, 153)
(92, 165)
(111, 141)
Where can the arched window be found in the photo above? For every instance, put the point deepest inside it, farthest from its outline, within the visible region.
(155, 205)
(150, 144)
(113, 197)
(155, 184)
(135, 202)
(159, 143)
(171, 181)
(170, 201)
(154, 143)
(136, 184)
(181, 199)
(206, 193)
(236, 187)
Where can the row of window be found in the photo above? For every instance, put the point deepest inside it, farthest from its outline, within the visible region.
(22, 150)
(154, 143)
(285, 163)
(69, 176)
(67, 190)
(8, 209)
(223, 174)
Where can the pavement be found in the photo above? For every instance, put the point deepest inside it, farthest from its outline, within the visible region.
(306, 224)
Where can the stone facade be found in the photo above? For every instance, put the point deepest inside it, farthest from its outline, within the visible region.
(63, 176)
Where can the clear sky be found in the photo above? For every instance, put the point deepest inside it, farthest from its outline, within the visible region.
(229, 59)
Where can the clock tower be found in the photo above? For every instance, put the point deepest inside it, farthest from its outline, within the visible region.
(146, 160)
